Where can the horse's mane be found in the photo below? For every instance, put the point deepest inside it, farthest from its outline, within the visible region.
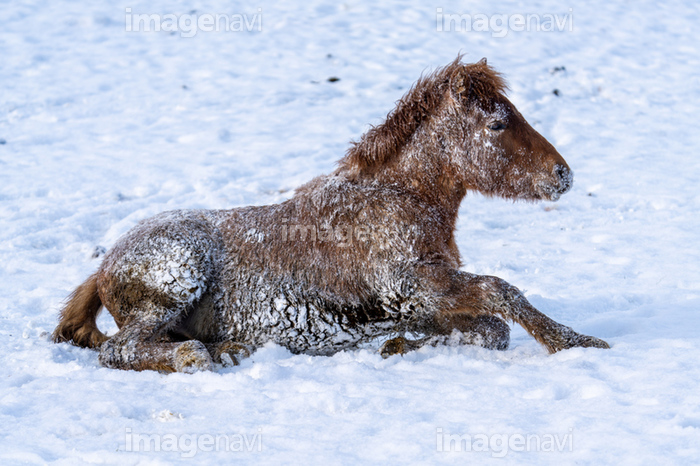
(472, 82)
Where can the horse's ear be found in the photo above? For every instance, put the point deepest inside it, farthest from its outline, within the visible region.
(482, 62)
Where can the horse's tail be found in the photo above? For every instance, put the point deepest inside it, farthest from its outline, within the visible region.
(77, 322)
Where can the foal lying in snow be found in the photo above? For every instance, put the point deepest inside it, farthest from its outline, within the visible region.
(365, 252)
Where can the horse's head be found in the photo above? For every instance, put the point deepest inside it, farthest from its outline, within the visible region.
(456, 126)
(498, 153)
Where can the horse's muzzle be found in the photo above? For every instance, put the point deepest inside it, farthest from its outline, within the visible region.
(561, 181)
(566, 178)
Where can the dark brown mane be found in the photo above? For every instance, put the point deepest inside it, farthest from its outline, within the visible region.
(472, 82)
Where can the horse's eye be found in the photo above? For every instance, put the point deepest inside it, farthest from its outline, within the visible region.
(497, 126)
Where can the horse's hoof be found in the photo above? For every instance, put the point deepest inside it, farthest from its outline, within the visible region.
(576, 340)
(591, 342)
(192, 356)
(394, 346)
(228, 353)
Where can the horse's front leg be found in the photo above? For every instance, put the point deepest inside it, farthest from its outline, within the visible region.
(457, 295)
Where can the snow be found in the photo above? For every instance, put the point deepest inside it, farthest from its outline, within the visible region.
(100, 128)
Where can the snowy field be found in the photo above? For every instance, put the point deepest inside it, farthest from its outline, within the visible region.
(101, 127)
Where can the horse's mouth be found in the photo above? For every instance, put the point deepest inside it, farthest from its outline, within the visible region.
(554, 196)
(552, 190)
(548, 192)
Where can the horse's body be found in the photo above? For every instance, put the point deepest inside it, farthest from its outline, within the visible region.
(363, 253)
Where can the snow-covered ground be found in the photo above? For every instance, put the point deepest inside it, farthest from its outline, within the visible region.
(101, 127)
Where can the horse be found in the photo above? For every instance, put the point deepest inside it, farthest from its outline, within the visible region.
(363, 255)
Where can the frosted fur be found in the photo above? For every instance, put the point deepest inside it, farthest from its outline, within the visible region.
(362, 254)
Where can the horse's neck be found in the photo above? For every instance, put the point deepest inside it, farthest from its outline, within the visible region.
(422, 169)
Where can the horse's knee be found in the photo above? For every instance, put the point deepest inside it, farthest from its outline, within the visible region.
(497, 286)
(498, 296)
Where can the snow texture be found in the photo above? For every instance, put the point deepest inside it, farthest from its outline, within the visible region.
(101, 128)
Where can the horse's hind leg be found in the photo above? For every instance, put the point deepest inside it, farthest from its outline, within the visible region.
(486, 331)
(136, 346)
(151, 281)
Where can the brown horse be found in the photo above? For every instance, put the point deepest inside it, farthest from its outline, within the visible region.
(367, 253)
